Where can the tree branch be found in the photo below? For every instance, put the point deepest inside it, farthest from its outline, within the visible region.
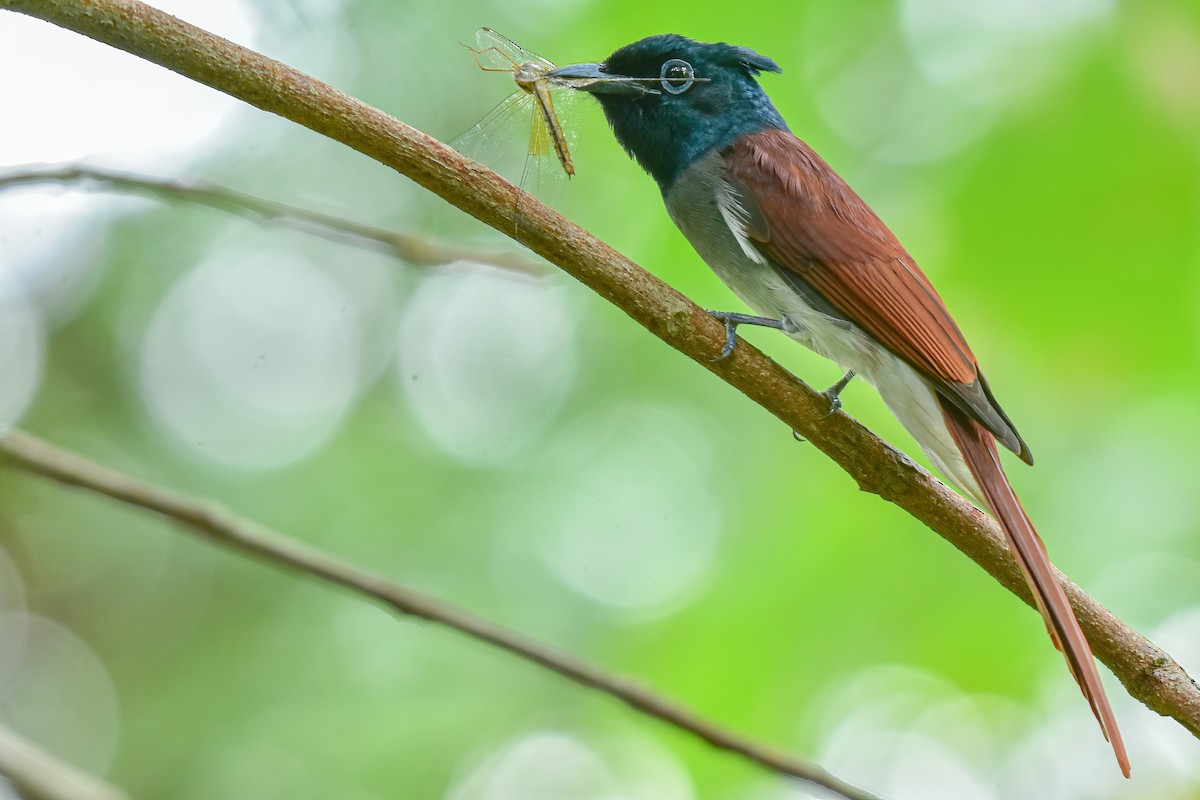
(405, 247)
(1148, 673)
(214, 523)
(38, 775)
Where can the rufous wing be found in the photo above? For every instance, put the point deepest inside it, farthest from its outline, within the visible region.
(818, 233)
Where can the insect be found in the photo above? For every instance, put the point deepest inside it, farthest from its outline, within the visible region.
(551, 115)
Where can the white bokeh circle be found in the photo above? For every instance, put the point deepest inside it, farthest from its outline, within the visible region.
(55, 691)
(22, 347)
(70, 97)
(554, 765)
(486, 360)
(251, 360)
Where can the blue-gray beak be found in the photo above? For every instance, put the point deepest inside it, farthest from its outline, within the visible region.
(592, 78)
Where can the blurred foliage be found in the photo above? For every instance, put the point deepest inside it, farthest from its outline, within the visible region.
(521, 449)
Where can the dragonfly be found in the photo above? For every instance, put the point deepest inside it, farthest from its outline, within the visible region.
(540, 103)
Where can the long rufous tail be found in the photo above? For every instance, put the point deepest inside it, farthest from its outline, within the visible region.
(978, 448)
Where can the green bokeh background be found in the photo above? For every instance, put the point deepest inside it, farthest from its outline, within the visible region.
(1042, 163)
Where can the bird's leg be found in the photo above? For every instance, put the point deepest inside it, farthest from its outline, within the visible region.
(732, 321)
(835, 402)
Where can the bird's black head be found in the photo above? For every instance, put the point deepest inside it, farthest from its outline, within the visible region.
(670, 99)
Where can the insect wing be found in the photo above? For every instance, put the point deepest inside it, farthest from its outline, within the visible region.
(495, 137)
(541, 137)
(499, 52)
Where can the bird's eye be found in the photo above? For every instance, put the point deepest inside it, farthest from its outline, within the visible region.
(677, 76)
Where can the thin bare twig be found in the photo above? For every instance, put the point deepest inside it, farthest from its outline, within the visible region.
(220, 526)
(1146, 671)
(406, 247)
(38, 775)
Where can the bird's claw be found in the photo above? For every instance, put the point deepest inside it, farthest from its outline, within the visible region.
(730, 335)
(732, 320)
(835, 403)
(832, 394)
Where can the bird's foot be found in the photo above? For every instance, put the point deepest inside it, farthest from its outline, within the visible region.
(732, 321)
(833, 394)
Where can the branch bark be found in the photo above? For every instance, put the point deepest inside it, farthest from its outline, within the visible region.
(1147, 672)
(214, 523)
(406, 247)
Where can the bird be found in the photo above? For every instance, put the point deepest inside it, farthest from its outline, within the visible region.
(795, 243)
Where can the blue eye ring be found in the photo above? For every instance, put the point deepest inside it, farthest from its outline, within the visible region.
(677, 76)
